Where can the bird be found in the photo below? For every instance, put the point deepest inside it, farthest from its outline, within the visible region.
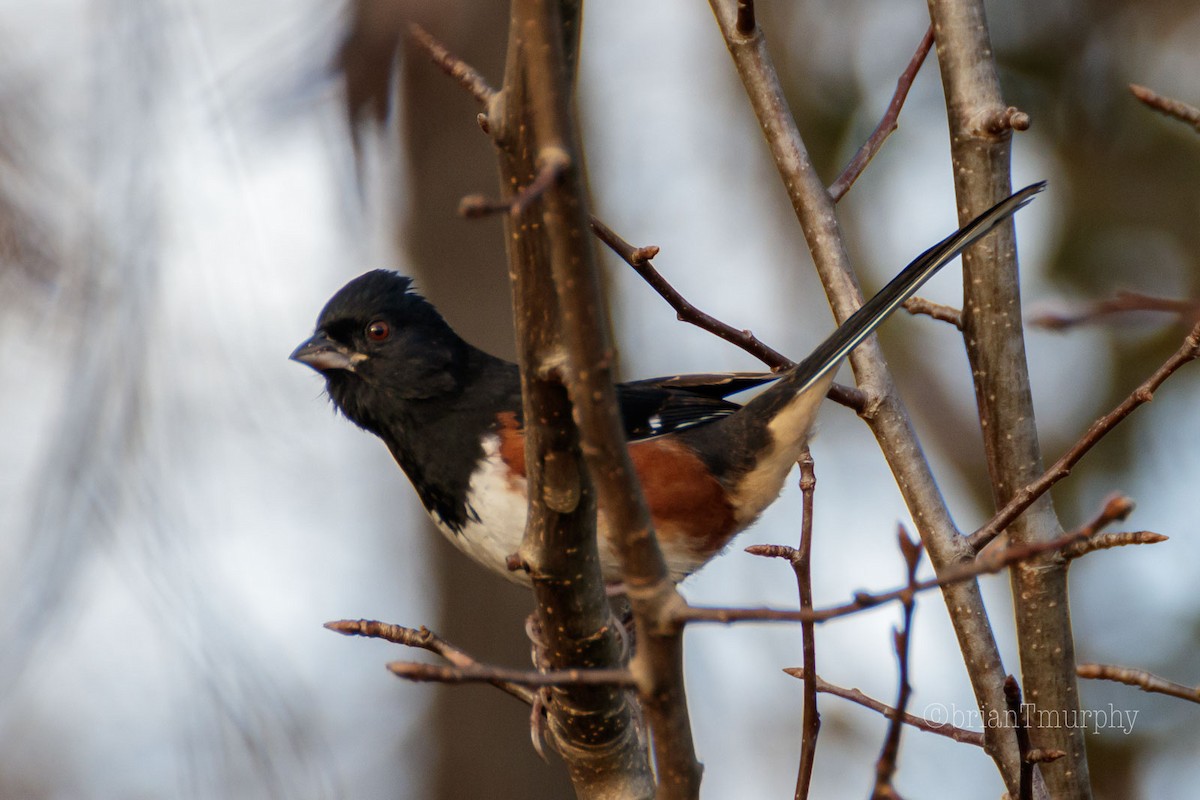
(451, 415)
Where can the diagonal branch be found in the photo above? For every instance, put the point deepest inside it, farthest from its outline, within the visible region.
(1165, 105)
(920, 723)
(987, 563)
(886, 415)
(639, 258)
(1189, 350)
(888, 124)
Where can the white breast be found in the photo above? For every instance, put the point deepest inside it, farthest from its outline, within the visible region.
(495, 514)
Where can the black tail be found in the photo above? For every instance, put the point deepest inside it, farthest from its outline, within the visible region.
(863, 322)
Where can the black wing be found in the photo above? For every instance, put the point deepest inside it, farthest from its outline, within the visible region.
(656, 406)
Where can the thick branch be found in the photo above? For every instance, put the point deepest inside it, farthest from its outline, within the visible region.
(595, 727)
(886, 415)
(658, 662)
(980, 138)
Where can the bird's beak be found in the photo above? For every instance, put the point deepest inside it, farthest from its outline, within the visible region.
(324, 355)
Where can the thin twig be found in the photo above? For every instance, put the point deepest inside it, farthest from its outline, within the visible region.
(919, 305)
(745, 17)
(424, 639)
(452, 65)
(553, 161)
(440, 673)
(1105, 541)
(885, 766)
(1172, 108)
(1061, 468)
(1016, 711)
(1146, 681)
(838, 189)
(801, 560)
(987, 563)
(920, 723)
(802, 566)
(639, 259)
(1122, 303)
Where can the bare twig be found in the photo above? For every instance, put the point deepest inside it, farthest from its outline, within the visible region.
(1172, 108)
(838, 189)
(1105, 541)
(885, 412)
(552, 162)
(440, 673)
(802, 565)
(885, 766)
(920, 723)
(424, 639)
(452, 65)
(801, 560)
(988, 563)
(1146, 681)
(1016, 711)
(919, 305)
(1122, 303)
(1144, 393)
(639, 259)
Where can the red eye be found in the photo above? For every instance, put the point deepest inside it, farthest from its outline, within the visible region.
(378, 330)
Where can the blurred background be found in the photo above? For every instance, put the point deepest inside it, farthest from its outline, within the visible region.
(183, 185)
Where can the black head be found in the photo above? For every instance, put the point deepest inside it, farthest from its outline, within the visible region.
(381, 345)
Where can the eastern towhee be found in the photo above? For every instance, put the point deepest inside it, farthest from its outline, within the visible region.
(451, 416)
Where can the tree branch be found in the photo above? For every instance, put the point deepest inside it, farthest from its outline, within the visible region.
(1123, 303)
(885, 414)
(594, 727)
(801, 560)
(480, 673)
(920, 723)
(980, 126)
(919, 305)
(466, 75)
(639, 259)
(889, 122)
(424, 639)
(1165, 105)
(885, 766)
(1146, 681)
(988, 563)
(1020, 500)
(658, 662)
